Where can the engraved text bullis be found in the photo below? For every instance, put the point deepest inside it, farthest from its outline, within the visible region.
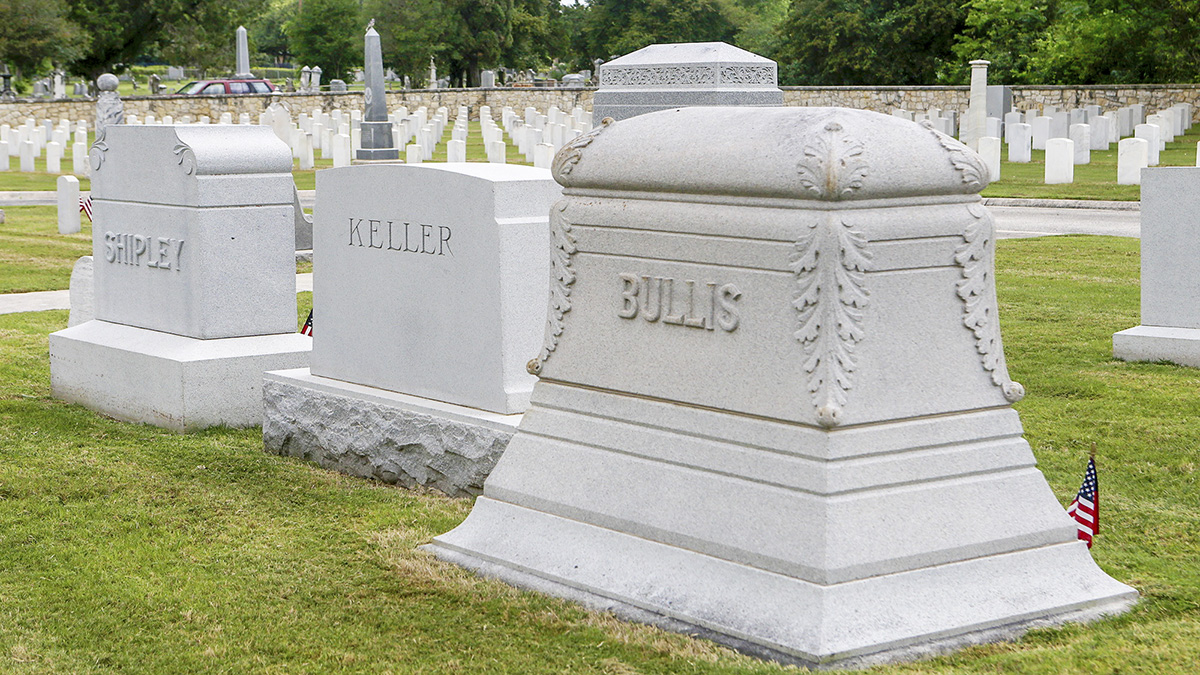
(400, 236)
(706, 305)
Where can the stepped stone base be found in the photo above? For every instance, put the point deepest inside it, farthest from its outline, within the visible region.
(1158, 343)
(375, 433)
(170, 381)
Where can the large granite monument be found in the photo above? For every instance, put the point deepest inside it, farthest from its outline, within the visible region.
(773, 405)
(660, 77)
(194, 277)
(430, 297)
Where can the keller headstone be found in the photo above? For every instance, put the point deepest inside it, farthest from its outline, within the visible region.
(1170, 284)
(461, 249)
(664, 76)
(195, 290)
(766, 423)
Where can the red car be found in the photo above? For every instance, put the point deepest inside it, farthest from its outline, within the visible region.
(226, 87)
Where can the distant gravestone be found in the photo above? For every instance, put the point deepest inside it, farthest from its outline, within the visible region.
(376, 129)
(573, 81)
(194, 278)
(666, 76)
(1170, 313)
(422, 384)
(109, 108)
(764, 401)
(487, 79)
(337, 86)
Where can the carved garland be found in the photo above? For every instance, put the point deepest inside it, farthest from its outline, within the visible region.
(974, 172)
(977, 289)
(830, 262)
(562, 277)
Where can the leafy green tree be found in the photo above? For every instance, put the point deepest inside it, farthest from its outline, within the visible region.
(617, 27)
(849, 42)
(34, 32)
(1006, 33)
(329, 34)
(409, 33)
(268, 36)
(475, 36)
(119, 31)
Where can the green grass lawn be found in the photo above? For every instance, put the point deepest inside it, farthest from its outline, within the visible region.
(125, 548)
(33, 255)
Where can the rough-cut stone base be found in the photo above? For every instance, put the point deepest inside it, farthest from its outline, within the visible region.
(892, 617)
(374, 433)
(1158, 343)
(170, 381)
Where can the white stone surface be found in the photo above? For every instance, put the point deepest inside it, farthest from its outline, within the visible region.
(1020, 143)
(1150, 133)
(1081, 137)
(1060, 161)
(68, 205)
(976, 121)
(194, 231)
(450, 279)
(383, 435)
(81, 296)
(413, 153)
(456, 151)
(1132, 156)
(175, 382)
(1170, 328)
(719, 441)
(990, 149)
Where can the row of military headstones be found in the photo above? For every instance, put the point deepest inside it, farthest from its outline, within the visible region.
(336, 135)
(1069, 136)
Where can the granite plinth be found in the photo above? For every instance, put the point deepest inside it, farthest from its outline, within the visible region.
(768, 395)
(383, 435)
(171, 381)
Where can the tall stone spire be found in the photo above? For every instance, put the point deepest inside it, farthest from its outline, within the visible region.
(376, 129)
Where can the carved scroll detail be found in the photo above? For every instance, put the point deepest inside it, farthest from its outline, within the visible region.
(572, 152)
(98, 150)
(977, 289)
(562, 277)
(830, 261)
(974, 172)
(187, 157)
(832, 165)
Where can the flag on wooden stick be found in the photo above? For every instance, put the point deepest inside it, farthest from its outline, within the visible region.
(1086, 507)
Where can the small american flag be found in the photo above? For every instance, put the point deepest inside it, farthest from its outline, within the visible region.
(85, 205)
(1086, 507)
(306, 329)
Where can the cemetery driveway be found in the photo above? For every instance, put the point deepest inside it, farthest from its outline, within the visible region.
(1040, 218)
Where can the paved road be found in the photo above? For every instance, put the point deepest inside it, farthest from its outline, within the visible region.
(1024, 221)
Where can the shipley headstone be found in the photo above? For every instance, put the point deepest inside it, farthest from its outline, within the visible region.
(659, 77)
(774, 408)
(194, 278)
(430, 299)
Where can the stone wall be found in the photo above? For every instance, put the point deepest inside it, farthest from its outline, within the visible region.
(882, 99)
(885, 99)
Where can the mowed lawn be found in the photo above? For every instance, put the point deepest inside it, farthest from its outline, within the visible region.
(125, 548)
